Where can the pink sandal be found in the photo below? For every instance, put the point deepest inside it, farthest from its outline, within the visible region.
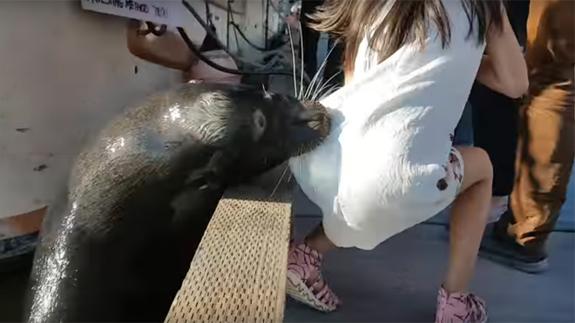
(460, 308)
(305, 282)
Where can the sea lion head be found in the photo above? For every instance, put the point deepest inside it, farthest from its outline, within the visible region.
(254, 130)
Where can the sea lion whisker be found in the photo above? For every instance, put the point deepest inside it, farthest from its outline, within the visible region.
(293, 61)
(313, 82)
(326, 83)
(300, 94)
(320, 70)
(279, 182)
(325, 92)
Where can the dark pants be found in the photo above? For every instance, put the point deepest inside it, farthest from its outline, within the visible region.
(495, 119)
(495, 116)
(464, 130)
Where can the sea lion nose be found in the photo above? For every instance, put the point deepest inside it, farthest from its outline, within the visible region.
(309, 115)
(315, 119)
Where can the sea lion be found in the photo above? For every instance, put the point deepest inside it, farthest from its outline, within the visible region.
(117, 246)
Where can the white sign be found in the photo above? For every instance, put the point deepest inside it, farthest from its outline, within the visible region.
(168, 12)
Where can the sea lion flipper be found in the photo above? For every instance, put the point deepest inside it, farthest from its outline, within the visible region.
(209, 177)
(203, 179)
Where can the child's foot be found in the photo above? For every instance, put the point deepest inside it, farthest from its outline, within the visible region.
(305, 282)
(459, 307)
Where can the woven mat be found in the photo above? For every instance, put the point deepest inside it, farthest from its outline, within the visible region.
(238, 272)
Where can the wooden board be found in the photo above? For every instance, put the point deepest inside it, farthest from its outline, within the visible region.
(238, 273)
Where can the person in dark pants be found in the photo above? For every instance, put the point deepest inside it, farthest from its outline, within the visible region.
(546, 141)
(495, 130)
(310, 37)
(463, 135)
(495, 121)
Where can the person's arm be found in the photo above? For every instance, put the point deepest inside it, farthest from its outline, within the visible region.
(503, 67)
(168, 50)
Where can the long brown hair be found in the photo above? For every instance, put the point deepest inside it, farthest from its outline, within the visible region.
(406, 20)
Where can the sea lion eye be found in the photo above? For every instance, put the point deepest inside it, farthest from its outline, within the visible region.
(260, 123)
